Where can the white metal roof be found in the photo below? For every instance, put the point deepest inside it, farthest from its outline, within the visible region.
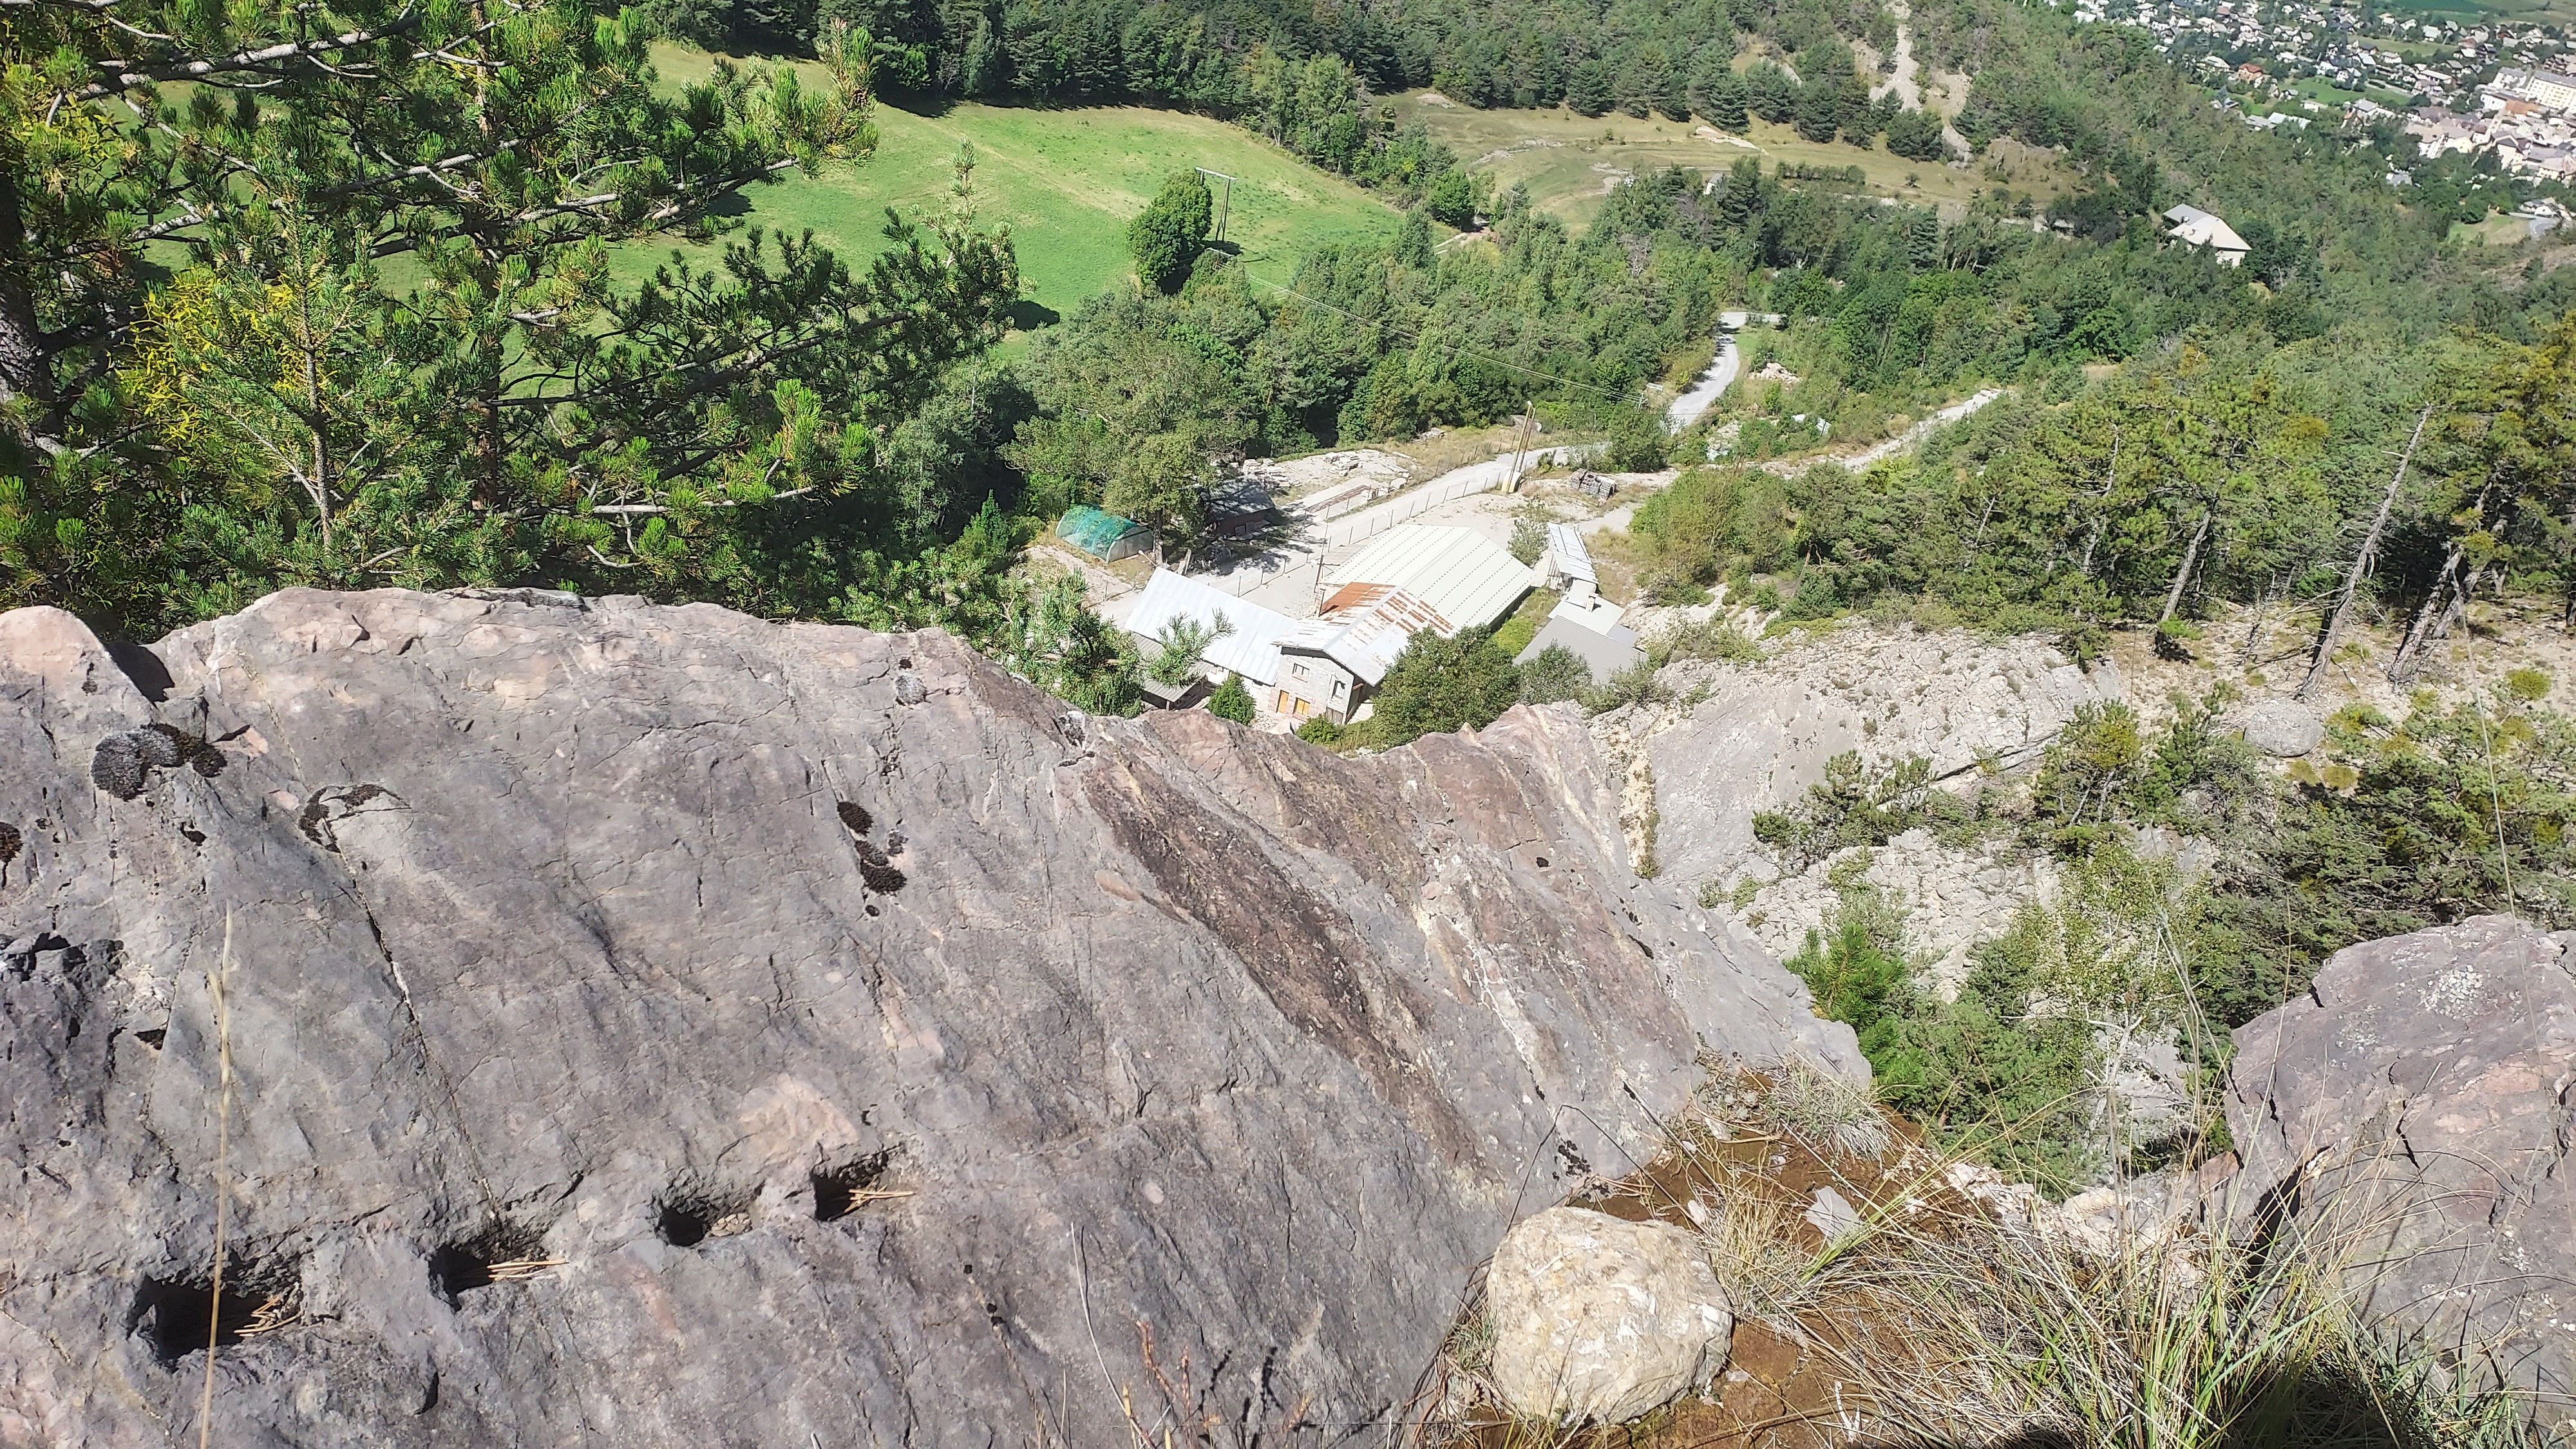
(2200, 229)
(1573, 559)
(1465, 578)
(1251, 649)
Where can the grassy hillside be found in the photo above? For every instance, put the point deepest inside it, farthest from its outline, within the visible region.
(1570, 162)
(1066, 182)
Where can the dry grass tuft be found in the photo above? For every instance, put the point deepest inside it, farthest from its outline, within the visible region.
(1967, 1312)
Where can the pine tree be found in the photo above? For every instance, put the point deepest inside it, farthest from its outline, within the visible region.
(280, 411)
(1232, 701)
(1588, 92)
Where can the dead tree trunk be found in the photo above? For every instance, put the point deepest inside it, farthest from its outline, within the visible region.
(2182, 576)
(2361, 564)
(2446, 604)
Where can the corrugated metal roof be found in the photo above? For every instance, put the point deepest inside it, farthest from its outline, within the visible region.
(1465, 578)
(1251, 650)
(1604, 652)
(1366, 634)
(1573, 559)
(1092, 530)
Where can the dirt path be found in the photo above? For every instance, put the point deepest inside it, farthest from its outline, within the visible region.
(1866, 458)
(1901, 80)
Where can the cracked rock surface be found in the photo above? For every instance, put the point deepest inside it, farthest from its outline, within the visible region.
(656, 1026)
(2417, 1110)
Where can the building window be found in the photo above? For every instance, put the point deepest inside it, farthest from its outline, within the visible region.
(1338, 686)
(1297, 669)
(1304, 708)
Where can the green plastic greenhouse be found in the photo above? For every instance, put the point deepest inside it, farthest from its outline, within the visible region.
(1102, 535)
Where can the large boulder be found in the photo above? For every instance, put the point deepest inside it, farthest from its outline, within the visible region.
(1598, 1320)
(655, 1026)
(2280, 728)
(2413, 1114)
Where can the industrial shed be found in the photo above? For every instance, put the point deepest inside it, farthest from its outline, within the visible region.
(1250, 647)
(1465, 578)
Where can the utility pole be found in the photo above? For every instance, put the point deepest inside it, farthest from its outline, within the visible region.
(1224, 203)
(1520, 442)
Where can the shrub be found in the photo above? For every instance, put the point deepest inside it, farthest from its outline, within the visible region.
(1635, 684)
(1707, 639)
(1853, 806)
(1166, 236)
(1437, 685)
(1638, 443)
(1529, 539)
(1555, 673)
(1232, 701)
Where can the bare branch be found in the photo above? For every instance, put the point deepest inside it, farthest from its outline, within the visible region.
(241, 60)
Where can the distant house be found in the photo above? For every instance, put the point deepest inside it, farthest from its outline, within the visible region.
(2194, 227)
(1250, 645)
(2249, 73)
(1566, 561)
(1330, 663)
(1410, 578)
(1102, 535)
(2551, 90)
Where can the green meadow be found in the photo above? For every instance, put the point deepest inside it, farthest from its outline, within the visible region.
(1065, 181)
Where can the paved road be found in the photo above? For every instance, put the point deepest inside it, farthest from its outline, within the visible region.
(1691, 406)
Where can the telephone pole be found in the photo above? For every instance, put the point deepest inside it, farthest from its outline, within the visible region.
(1224, 203)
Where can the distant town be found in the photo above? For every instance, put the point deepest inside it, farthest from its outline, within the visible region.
(2501, 87)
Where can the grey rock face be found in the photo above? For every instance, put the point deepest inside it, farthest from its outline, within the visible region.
(2280, 728)
(653, 1026)
(1598, 1320)
(1761, 733)
(2417, 1109)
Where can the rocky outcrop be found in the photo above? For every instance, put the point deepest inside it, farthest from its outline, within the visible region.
(2415, 1112)
(1742, 738)
(1598, 1320)
(1953, 897)
(654, 1026)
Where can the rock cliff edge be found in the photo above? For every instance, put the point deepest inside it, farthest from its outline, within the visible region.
(655, 1026)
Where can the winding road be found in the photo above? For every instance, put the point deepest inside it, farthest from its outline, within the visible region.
(1691, 406)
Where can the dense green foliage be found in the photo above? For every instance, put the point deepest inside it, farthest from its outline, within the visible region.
(1166, 236)
(2216, 469)
(1232, 701)
(1437, 685)
(2456, 812)
(339, 311)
